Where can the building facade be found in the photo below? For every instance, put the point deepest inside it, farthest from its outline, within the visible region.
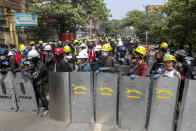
(8, 33)
(90, 31)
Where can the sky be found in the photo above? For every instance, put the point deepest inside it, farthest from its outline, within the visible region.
(119, 8)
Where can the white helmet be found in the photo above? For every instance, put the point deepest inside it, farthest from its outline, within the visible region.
(47, 48)
(32, 54)
(83, 54)
(82, 45)
(119, 44)
(97, 48)
(44, 44)
(10, 54)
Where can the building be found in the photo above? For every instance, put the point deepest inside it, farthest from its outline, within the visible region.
(151, 8)
(91, 30)
(8, 33)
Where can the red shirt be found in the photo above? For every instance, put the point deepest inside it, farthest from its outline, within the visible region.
(139, 69)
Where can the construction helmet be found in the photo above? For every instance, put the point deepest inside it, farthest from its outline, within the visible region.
(137, 40)
(32, 43)
(67, 49)
(50, 43)
(61, 51)
(169, 57)
(22, 47)
(32, 54)
(82, 45)
(123, 48)
(163, 45)
(75, 41)
(119, 39)
(141, 50)
(44, 44)
(41, 42)
(97, 48)
(83, 54)
(106, 48)
(3, 51)
(47, 48)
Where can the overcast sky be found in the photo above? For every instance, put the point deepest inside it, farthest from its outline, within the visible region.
(119, 8)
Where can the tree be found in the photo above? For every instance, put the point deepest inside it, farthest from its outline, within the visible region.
(64, 15)
(180, 22)
(144, 22)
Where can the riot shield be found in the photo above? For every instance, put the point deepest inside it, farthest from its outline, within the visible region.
(187, 117)
(133, 102)
(7, 96)
(25, 93)
(59, 103)
(81, 97)
(164, 98)
(106, 98)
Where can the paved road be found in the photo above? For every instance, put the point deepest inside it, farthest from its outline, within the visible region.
(16, 121)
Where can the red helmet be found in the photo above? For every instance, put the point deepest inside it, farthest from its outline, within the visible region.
(61, 51)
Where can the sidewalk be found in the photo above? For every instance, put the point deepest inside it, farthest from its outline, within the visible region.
(17, 121)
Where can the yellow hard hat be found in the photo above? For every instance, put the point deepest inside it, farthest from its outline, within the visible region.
(41, 42)
(141, 50)
(81, 41)
(67, 49)
(50, 43)
(119, 39)
(32, 43)
(164, 45)
(106, 47)
(22, 47)
(75, 41)
(169, 57)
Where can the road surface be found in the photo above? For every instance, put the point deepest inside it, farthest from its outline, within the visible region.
(17, 121)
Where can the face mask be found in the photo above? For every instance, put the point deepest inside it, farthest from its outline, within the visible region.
(170, 68)
(3, 57)
(105, 54)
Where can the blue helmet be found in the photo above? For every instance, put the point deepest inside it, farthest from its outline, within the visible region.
(122, 48)
(2, 51)
(25, 52)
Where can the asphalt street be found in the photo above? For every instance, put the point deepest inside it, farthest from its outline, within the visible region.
(18, 121)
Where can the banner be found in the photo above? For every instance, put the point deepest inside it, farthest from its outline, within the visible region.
(24, 19)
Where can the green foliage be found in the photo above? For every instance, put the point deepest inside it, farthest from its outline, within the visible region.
(114, 27)
(64, 15)
(178, 25)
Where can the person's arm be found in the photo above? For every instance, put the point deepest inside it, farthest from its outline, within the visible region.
(114, 68)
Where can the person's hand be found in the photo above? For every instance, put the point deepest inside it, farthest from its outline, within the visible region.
(132, 76)
(97, 71)
(156, 76)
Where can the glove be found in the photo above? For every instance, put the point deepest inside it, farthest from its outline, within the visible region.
(156, 76)
(97, 71)
(121, 59)
(101, 69)
(132, 76)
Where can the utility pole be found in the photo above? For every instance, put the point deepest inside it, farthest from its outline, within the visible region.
(146, 37)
